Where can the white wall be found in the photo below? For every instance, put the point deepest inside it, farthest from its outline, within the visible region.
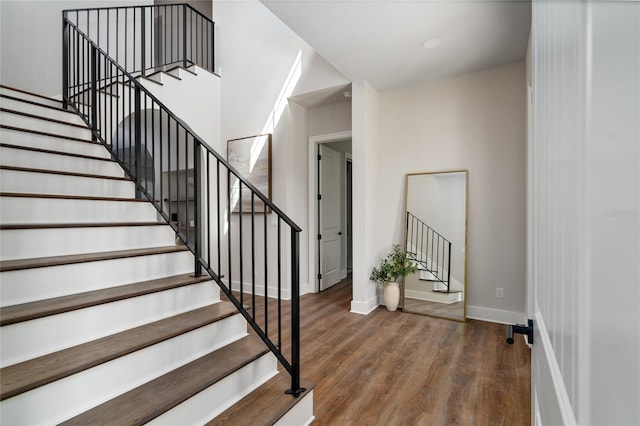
(475, 121)
(586, 212)
(367, 223)
(327, 119)
(262, 62)
(31, 42)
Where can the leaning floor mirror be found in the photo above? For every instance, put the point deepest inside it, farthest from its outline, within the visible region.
(436, 241)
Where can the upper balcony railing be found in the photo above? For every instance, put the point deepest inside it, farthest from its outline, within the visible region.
(146, 38)
(237, 234)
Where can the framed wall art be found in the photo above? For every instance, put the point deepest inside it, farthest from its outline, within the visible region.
(251, 156)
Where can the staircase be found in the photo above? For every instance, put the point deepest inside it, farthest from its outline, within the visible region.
(102, 320)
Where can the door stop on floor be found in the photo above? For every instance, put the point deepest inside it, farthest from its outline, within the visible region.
(522, 329)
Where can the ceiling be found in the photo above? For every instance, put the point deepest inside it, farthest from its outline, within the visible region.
(381, 40)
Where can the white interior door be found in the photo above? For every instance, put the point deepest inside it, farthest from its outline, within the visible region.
(330, 217)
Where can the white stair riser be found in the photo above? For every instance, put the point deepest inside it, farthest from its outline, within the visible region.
(57, 332)
(159, 77)
(63, 163)
(214, 400)
(34, 140)
(14, 93)
(32, 243)
(300, 414)
(47, 183)
(28, 285)
(17, 120)
(65, 398)
(41, 111)
(51, 210)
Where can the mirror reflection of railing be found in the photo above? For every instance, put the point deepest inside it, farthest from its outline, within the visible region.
(430, 251)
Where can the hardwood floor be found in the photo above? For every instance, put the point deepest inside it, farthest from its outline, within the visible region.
(394, 368)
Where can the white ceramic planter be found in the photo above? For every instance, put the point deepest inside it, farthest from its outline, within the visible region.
(391, 296)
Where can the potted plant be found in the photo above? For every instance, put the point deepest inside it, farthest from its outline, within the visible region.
(393, 267)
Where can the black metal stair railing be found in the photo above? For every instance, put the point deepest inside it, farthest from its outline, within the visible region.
(430, 250)
(194, 189)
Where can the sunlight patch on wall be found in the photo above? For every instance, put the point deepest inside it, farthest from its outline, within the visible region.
(293, 77)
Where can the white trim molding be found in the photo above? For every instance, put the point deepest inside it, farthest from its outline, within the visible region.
(495, 315)
(364, 308)
(313, 185)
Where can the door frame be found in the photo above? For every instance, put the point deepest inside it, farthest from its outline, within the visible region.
(313, 286)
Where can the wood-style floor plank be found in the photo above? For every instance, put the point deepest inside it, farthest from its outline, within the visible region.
(396, 368)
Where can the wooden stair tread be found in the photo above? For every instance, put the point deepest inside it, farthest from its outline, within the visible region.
(40, 117)
(30, 102)
(4, 86)
(70, 197)
(447, 292)
(50, 135)
(265, 405)
(53, 152)
(22, 377)
(15, 226)
(41, 262)
(154, 398)
(42, 308)
(59, 172)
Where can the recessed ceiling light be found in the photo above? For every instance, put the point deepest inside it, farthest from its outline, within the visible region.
(430, 44)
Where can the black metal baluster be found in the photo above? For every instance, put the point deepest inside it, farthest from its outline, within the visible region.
(180, 217)
(438, 255)
(94, 92)
(208, 192)
(266, 280)
(143, 43)
(65, 60)
(213, 49)
(126, 33)
(153, 152)
(187, 196)
(218, 211)
(98, 29)
(449, 271)
(138, 141)
(229, 208)
(295, 390)
(184, 36)
(279, 284)
(253, 257)
(197, 213)
(241, 256)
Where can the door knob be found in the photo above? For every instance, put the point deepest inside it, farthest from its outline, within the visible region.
(339, 233)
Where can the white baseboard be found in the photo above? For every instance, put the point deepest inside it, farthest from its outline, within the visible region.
(364, 308)
(552, 403)
(495, 315)
(307, 288)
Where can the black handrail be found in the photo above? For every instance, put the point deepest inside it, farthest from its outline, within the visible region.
(162, 155)
(430, 250)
